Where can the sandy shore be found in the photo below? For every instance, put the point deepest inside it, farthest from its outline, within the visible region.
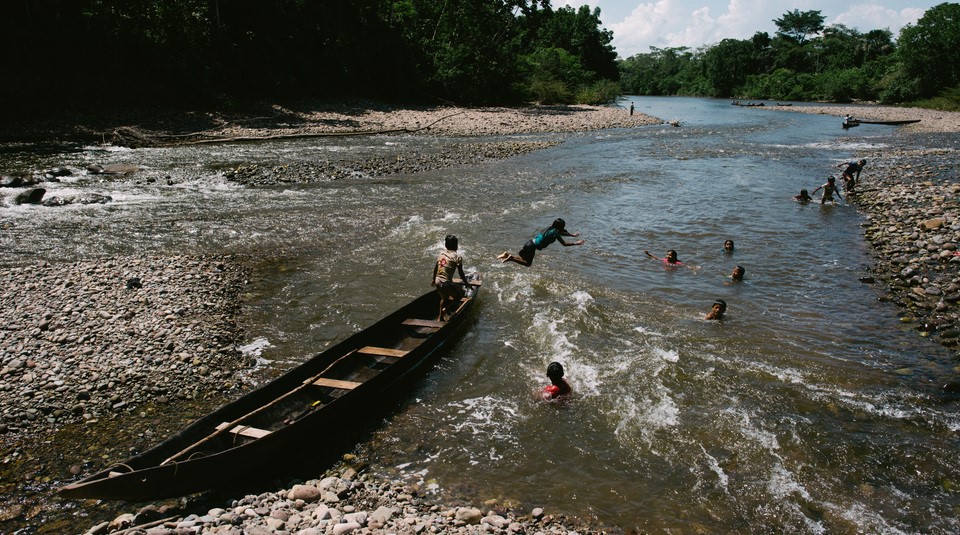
(930, 120)
(314, 118)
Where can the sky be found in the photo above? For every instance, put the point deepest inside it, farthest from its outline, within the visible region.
(639, 24)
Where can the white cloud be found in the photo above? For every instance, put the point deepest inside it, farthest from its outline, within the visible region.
(866, 17)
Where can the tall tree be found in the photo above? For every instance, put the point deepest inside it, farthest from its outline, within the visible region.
(928, 49)
(796, 25)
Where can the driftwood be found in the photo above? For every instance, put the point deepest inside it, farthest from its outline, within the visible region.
(125, 135)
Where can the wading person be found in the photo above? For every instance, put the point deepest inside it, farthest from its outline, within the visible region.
(554, 232)
(828, 190)
(851, 175)
(448, 262)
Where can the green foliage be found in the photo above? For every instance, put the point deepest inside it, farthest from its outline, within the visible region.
(210, 51)
(840, 65)
(600, 92)
(948, 100)
(928, 49)
(549, 91)
(796, 25)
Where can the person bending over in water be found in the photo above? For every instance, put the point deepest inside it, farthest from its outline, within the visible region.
(539, 242)
(443, 269)
(558, 387)
(803, 198)
(728, 246)
(828, 190)
(718, 310)
(851, 175)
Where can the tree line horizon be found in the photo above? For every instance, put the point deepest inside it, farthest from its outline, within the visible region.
(807, 61)
(58, 55)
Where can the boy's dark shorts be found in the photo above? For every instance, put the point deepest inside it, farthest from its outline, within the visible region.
(528, 251)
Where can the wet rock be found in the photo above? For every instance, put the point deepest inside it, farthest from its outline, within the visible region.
(30, 196)
(17, 179)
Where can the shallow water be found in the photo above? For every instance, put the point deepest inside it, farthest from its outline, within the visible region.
(810, 409)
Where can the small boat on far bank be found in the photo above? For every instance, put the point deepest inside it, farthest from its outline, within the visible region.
(892, 123)
(850, 123)
(297, 415)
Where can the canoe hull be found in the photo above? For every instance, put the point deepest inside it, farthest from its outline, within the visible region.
(313, 434)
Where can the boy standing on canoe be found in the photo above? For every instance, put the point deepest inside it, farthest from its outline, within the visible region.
(549, 235)
(447, 263)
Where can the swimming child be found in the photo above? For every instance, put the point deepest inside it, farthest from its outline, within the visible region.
(553, 233)
(803, 198)
(728, 246)
(718, 310)
(737, 274)
(670, 259)
(828, 190)
(558, 387)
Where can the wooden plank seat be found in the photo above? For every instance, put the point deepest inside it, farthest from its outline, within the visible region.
(382, 351)
(424, 323)
(244, 430)
(334, 383)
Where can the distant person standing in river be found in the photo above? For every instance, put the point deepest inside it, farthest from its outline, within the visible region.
(554, 232)
(631, 108)
(448, 262)
(828, 190)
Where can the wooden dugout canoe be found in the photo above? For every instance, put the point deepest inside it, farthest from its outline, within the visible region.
(254, 435)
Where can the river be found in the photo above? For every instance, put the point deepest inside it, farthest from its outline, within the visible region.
(810, 409)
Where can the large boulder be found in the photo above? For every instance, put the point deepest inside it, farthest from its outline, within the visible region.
(30, 196)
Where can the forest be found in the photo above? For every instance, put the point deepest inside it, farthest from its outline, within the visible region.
(60, 55)
(806, 61)
(64, 53)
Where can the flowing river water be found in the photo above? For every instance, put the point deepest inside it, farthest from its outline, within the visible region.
(810, 409)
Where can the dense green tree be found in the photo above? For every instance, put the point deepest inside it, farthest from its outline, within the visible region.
(727, 65)
(928, 49)
(578, 31)
(796, 25)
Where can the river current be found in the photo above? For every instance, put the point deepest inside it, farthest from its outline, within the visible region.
(810, 409)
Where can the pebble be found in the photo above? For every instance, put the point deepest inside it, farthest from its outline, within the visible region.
(374, 509)
(910, 198)
(80, 344)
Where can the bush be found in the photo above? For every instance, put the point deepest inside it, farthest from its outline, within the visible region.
(551, 91)
(602, 92)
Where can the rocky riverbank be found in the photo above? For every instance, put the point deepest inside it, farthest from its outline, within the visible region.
(89, 350)
(910, 196)
(344, 500)
(911, 199)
